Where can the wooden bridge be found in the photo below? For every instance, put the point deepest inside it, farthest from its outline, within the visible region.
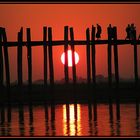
(47, 43)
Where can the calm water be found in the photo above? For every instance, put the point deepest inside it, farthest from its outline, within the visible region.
(69, 120)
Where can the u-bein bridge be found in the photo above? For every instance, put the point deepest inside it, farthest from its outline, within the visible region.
(48, 42)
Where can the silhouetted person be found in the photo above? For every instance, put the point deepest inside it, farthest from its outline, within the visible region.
(113, 32)
(110, 31)
(132, 31)
(99, 31)
(139, 37)
(128, 31)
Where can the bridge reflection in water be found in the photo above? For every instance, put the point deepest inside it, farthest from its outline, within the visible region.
(69, 120)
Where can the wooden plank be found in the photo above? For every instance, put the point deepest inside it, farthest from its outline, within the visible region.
(29, 55)
(93, 56)
(45, 54)
(88, 56)
(19, 57)
(109, 59)
(135, 61)
(51, 69)
(66, 54)
(76, 42)
(1, 61)
(116, 58)
(6, 57)
(73, 57)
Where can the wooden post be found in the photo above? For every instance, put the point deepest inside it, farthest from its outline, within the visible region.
(88, 55)
(116, 57)
(29, 55)
(90, 118)
(31, 113)
(31, 119)
(9, 113)
(137, 107)
(135, 61)
(109, 57)
(89, 111)
(52, 112)
(110, 109)
(46, 112)
(2, 113)
(68, 118)
(93, 56)
(46, 117)
(21, 119)
(75, 111)
(118, 108)
(45, 53)
(1, 60)
(75, 117)
(111, 117)
(51, 70)
(66, 54)
(73, 57)
(53, 119)
(95, 109)
(6, 57)
(21, 113)
(19, 57)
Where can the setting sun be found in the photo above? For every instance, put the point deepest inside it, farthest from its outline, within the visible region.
(70, 58)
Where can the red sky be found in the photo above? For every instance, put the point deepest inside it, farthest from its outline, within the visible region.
(79, 16)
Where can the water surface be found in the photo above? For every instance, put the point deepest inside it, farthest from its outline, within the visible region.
(69, 120)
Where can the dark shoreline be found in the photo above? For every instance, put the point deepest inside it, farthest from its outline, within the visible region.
(60, 93)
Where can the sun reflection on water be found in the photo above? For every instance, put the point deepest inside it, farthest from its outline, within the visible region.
(71, 120)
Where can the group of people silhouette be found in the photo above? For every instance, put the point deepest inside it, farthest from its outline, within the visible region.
(130, 32)
(111, 31)
(99, 31)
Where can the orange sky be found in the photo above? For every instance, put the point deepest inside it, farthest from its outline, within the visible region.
(80, 16)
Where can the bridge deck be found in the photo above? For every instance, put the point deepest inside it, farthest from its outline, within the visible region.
(76, 42)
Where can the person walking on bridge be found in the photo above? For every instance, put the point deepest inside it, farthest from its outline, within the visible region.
(128, 32)
(110, 32)
(99, 31)
(132, 32)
